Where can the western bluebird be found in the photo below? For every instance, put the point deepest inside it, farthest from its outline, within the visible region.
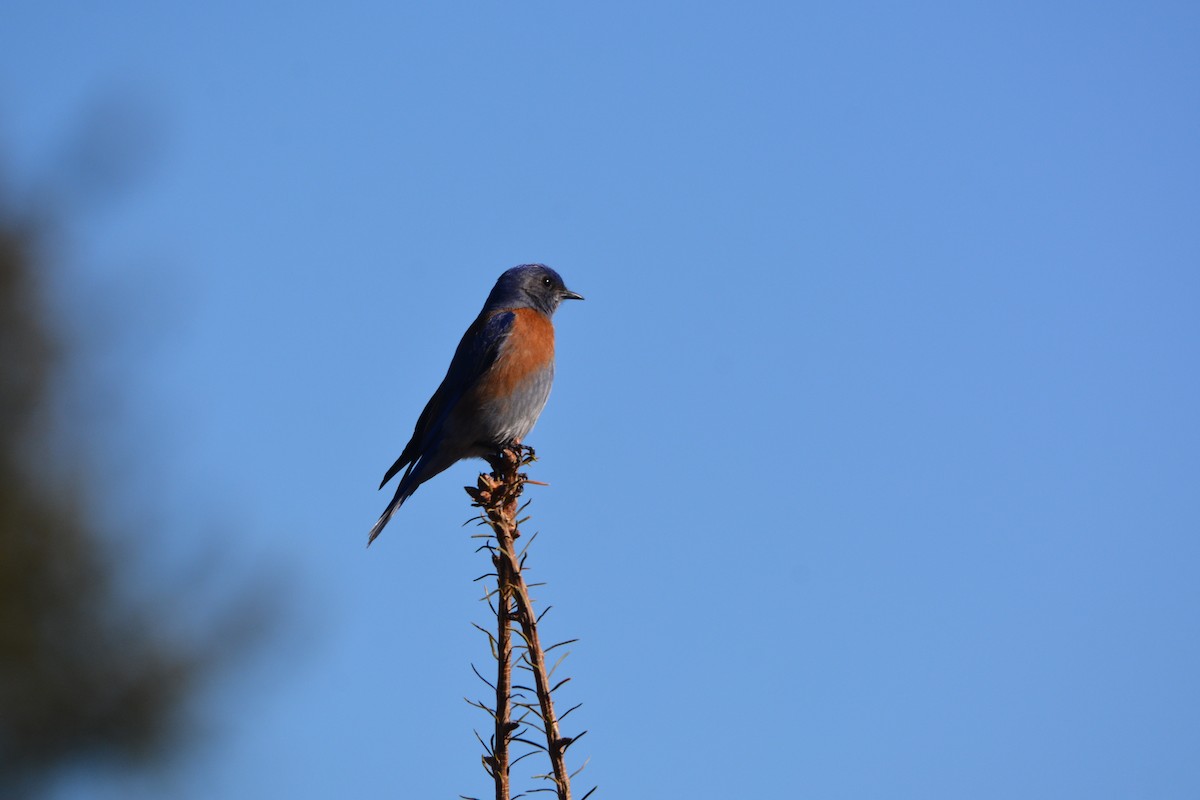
(497, 384)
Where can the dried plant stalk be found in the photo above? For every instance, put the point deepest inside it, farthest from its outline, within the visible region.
(498, 494)
(504, 725)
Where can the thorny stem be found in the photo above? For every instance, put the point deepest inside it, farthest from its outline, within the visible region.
(504, 728)
(555, 744)
(498, 494)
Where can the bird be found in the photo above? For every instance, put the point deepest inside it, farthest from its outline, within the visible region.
(496, 386)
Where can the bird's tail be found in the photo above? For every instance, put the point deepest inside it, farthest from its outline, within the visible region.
(403, 492)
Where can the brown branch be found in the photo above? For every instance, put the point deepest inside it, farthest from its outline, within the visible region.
(498, 494)
(504, 726)
(555, 744)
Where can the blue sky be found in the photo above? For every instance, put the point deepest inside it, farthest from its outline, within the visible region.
(873, 450)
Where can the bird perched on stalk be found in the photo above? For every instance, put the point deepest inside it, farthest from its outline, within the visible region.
(496, 386)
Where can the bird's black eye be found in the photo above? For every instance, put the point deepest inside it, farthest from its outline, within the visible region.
(547, 281)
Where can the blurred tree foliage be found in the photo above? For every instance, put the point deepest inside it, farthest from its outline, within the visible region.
(87, 676)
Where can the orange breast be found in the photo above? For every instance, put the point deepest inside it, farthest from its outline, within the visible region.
(529, 349)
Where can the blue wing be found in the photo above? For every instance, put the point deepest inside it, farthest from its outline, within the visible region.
(476, 353)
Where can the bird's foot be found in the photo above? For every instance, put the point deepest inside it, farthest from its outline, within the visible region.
(511, 454)
(527, 454)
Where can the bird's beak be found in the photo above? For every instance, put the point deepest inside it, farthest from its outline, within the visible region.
(567, 294)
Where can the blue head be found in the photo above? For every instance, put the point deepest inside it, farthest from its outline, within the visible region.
(530, 286)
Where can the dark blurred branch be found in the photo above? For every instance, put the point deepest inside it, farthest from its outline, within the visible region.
(89, 674)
